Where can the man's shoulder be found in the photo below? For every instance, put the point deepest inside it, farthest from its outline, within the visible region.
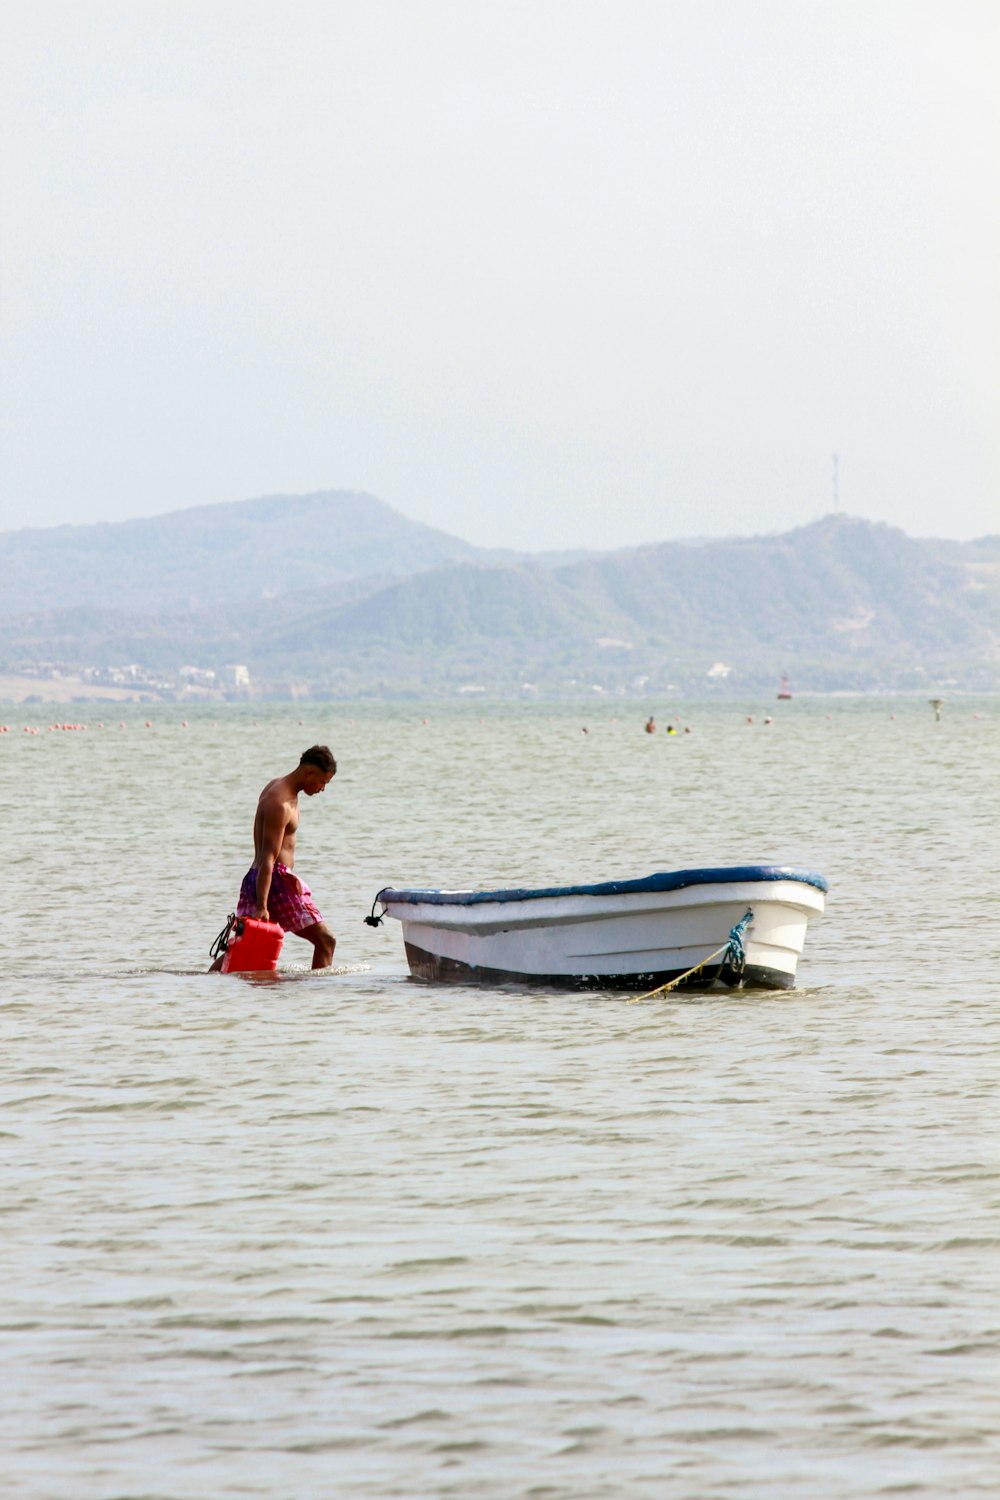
(277, 793)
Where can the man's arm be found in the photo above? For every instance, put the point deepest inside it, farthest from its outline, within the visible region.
(272, 835)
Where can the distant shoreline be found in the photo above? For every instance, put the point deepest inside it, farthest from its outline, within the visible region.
(17, 690)
(28, 692)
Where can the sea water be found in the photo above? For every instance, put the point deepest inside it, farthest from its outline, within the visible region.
(351, 1235)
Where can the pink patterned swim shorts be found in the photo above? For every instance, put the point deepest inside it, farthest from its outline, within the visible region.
(289, 902)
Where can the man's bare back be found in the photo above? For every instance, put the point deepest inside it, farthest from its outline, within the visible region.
(277, 808)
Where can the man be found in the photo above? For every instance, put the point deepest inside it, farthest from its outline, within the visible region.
(270, 891)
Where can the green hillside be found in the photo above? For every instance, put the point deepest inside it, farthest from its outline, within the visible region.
(841, 603)
(218, 554)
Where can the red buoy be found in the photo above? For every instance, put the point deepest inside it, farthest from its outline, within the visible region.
(253, 948)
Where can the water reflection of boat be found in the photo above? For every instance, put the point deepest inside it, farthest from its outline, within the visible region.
(784, 691)
(622, 934)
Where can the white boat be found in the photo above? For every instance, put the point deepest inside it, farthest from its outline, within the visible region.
(749, 921)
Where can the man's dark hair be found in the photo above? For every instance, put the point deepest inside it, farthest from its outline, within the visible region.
(319, 756)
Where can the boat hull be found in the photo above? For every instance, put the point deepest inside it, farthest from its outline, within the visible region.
(632, 935)
(438, 969)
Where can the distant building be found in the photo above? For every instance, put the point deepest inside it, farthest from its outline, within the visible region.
(122, 675)
(240, 675)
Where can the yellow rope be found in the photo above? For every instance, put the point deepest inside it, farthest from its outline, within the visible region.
(735, 944)
(673, 983)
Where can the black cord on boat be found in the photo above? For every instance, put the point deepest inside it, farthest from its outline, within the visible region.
(373, 920)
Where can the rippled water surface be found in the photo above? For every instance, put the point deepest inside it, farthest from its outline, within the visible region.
(349, 1235)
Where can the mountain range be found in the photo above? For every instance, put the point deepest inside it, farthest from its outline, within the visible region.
(337, 594)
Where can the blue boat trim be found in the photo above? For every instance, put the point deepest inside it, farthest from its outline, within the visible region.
(671, 880)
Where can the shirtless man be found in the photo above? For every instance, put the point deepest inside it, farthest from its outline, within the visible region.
(270, 891)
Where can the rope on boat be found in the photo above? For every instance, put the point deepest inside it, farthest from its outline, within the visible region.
(734, 956)
(373, 920)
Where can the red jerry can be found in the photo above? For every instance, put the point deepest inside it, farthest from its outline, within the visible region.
(254, 947)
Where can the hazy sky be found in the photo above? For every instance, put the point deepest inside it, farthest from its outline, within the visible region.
(560, 272)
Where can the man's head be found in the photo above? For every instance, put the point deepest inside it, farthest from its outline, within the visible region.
(318, 769)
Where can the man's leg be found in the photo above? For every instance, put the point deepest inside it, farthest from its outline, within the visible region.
(323, 942)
